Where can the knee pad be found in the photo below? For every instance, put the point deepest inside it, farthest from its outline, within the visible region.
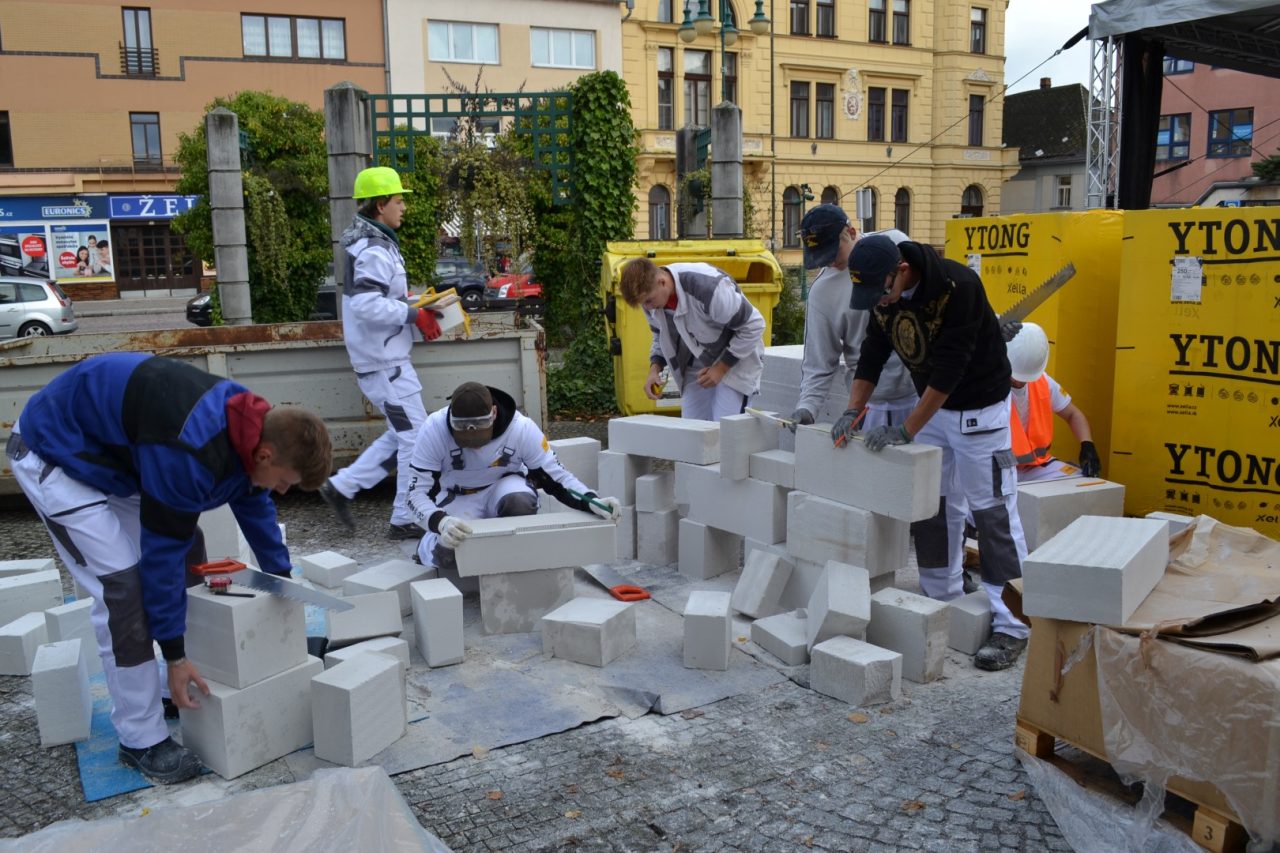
(126, 619)
(930, 538)
(518, 503)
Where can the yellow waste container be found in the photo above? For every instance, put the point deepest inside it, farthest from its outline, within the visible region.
(752, 265)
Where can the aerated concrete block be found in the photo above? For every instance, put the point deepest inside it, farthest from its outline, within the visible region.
(707, 630)
(1177, 523)
(29, 592)
(819, 529)
(391, 576)
(514, 603)
(71, 622)
(657, 537)
(913, 626)
(783, 635)
(855, 672)
(661, 437)
(592, 631)
(236, 730)
(9, 568)
(656, 492)
(625, 534)
(530, 542)
(969, 622)
(581, 457)
(759, 589)
(802, 583)
(60, 686)
(902, 482)
(437, 621)
(240, 641)
(706, 552)
(741, 436)
(393, 646)
(19, 641)
(221, 534)
(374, 615)
(746, 507)
(840, 604)
(774, 466)
(327, 568)
(1098, 570)
(358, 708)
(1046, 508)
(618, 473)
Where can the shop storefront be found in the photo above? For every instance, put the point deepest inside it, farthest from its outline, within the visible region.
(63, 238)
(151, 258)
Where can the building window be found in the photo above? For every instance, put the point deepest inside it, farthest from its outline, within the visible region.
(977, 30)
(825, 116)
(452, 41)
(664, 12)
(898, 122)
(1231, 133)
(800, 110)
(902, 210)
(875, 114)
(827, 18)
(563, 48)
(659, 213)
(901, 22)
(830, 195)
(1173, 138)
(873, 208)
(1173, 65)
(145, 129)
(977, 106)
(666, 90)
(6, 140)
(283, 37)
(791, 205)
(971, 201)
(875, 24)
(731, 77)
(138, 55)
(1062, 191)
(799, 17)
(697, 87)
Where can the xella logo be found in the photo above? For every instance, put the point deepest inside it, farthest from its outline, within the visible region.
(1221, 468)
(1234, 237)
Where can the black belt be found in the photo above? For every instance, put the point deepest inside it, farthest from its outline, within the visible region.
(462, 490)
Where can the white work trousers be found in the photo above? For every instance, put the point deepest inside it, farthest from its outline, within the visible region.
(397, 394)
(978, 476)
(98, 538)
(481, 504)
(708, 404)
(888, 412)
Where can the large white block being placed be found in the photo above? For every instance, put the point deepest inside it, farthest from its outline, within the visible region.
(581, 457)
(29, 592)
(661, 437)
(706, 552)
(915, 627)
(707, 630)
(745, 507)
(1098, 570)
(902, 482)
(60, 686)
(19, 641)
(855, 672)
(391, 576)
(71, 622)
(357, 708)
(327, 568)
(592, 631)
(514, 602)
(840, 604)
(819, 529)
(1047, 507)
(528, 542)
(239, 641)
(437, 621)
(741, 436)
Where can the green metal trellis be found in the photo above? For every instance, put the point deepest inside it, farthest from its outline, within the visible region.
(547, 117)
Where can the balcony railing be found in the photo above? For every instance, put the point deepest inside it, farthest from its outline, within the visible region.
(139, 61)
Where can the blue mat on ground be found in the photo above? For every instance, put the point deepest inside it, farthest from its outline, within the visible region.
(101, 773)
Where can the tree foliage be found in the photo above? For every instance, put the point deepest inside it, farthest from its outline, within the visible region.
(418, 232)
(1268, 168)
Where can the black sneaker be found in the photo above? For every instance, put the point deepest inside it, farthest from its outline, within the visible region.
(1001, 651)
(339, 503)
(165, 763)
(396, 532)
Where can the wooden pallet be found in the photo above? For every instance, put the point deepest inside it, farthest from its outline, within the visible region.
(1208, 827)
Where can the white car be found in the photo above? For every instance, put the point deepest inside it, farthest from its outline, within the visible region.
(30, 307)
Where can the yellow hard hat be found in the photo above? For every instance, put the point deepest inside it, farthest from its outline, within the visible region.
(378, 181)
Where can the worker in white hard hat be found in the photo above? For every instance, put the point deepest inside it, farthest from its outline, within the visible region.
(1036, 399)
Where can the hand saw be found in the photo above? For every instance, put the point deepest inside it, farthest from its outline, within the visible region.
(1021, 309)
(273, 584)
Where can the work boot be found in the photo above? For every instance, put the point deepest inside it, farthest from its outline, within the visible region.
(970, 585)
(339, 503)
(1001, 651)
(397, 532)
(165, 763)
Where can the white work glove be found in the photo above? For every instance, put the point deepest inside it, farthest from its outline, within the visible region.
(615, 508)
(453, 531)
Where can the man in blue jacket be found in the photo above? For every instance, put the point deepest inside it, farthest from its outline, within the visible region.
(119, 455)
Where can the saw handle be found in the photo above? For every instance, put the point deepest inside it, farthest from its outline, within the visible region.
(217, 567)
(628, 592)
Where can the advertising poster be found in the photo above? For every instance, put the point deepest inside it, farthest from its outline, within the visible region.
(81, 252)
(24, 250)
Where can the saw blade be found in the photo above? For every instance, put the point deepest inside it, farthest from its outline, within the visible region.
(1022, 309)
(275, 585)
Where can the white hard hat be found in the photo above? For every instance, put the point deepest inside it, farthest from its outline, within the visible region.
(1029, 353)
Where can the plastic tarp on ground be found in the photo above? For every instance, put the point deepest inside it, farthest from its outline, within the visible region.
(1117, 17)
(333, 810)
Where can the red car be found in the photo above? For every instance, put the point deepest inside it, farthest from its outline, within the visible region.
(514, 290)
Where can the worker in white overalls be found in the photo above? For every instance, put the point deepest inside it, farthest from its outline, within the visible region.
(479, 457)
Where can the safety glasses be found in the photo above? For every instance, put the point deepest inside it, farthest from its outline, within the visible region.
(471, 424)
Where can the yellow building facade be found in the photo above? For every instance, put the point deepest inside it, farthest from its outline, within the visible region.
(901, 96)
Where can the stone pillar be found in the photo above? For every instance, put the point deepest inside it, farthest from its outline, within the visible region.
(226, 200)
(348, 134)
(726, 170)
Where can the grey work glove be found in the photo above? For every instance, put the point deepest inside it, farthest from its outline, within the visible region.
(883, 436)
(1009, 331)
(846, 426)
(1090, 464)
(453, 531)
(800, 416)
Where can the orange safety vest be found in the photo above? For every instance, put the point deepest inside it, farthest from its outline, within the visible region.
(1031, 444)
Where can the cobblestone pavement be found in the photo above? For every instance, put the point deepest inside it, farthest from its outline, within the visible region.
(783, 769)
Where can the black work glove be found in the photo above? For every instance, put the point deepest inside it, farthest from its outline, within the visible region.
(1090, 464)
(800, 416)
(846, 426)
(1009, 331)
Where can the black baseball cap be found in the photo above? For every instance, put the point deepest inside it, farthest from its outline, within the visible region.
(820, 234)
(870, 263)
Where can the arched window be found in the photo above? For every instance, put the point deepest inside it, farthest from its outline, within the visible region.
(869, 221)
(971, 201)
(831, 195)
(902, 210)
(659, 213)
(791, 217)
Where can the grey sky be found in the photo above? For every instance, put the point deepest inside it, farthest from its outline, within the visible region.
(1034, 29)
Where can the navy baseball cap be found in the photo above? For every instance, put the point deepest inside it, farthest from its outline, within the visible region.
(870, 263)
(820, 234)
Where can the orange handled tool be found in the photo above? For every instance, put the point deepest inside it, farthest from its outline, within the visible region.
(615, 584)
(844, 439)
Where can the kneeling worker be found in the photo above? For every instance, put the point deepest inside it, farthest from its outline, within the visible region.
(479, 457)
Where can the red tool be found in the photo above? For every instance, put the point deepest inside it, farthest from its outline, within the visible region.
(615, 584)
(844, 439)
(217, 575)
(221, 585)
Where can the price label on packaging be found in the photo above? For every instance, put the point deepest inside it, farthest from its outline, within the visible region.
(1187, 277)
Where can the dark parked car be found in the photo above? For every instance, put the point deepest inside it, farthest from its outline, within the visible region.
(467, 278)
(200, 307)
